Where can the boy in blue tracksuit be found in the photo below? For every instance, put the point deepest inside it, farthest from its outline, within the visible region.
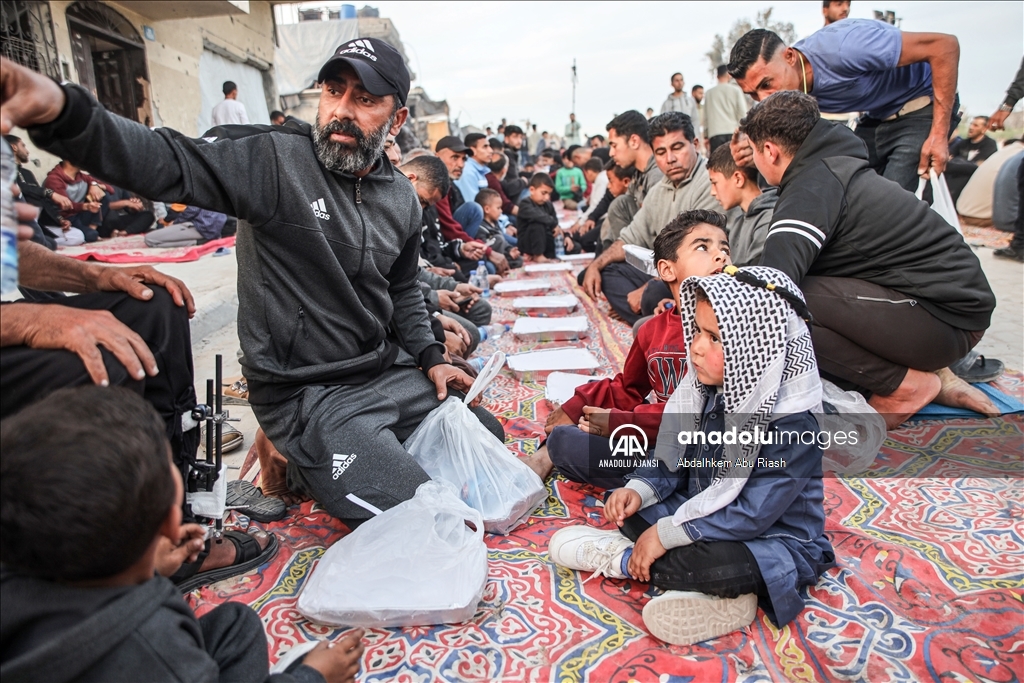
(730, 512)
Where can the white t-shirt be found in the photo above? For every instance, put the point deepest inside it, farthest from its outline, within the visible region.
(229, 111)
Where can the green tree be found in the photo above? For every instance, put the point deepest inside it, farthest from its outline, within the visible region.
(722, 46)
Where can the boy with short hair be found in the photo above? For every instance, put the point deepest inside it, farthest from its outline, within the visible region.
(490, 230)
(537, 221)
(91, 523)
(734, 187)
(694, 243)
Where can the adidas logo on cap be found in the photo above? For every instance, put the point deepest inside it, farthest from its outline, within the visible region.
(360, 47)
(320, 209)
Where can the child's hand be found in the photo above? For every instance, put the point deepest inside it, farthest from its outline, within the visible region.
(595, 421)
(648, 548)
(171, 553)
(621, 504)
(664, 305)
(569, 246)
(337, 662)
(557, 418)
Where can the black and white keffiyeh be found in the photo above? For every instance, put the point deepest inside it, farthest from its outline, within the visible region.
(770, 372)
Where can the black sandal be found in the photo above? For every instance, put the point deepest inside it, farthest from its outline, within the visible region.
(244, 497)
(248, 555)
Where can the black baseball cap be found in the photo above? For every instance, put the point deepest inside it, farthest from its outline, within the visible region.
(380, 67)
(453, 143)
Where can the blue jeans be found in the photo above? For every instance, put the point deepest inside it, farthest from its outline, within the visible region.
(470, 215)
(894, 147)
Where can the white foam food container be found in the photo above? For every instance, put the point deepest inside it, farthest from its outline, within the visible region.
(538, 364)
(548, 267)
(560, 304)
(640, 258)
(561, 386)
(550, 329)
(521, 287)
(577, 258)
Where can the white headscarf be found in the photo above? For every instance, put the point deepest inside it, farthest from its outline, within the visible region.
(770, 372)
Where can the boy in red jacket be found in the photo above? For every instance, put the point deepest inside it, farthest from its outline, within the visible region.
(691, 245)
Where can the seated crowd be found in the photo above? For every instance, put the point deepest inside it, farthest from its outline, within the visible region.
(364, 272)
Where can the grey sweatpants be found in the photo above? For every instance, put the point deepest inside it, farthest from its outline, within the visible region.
(344, 443)
(177, 235)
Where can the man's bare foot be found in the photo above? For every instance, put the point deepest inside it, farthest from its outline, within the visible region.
(222, 551)
(540, 462)
(916, 391)
(957, 393)
(274, 472)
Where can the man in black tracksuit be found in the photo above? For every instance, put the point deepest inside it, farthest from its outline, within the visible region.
(338, 351)
(895, 292)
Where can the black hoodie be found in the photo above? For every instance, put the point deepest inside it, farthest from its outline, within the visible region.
(326, 261)
(836, 217)
(57, 633)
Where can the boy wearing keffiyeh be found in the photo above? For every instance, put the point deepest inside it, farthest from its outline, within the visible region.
(725, 520)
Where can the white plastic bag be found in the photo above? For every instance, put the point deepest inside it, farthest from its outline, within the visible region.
(413, 565)
(942, 201)
(452, 446)
(846, 412)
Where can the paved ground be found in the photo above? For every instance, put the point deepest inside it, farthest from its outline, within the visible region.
(214, 331)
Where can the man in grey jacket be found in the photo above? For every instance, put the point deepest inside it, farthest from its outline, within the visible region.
(338, 351)
(685, 186)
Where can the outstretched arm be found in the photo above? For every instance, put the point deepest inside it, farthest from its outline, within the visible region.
(942, 52)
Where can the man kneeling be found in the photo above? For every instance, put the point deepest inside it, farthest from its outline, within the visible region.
(896, 293)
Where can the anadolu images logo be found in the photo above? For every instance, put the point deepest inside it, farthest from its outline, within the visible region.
(628, 441)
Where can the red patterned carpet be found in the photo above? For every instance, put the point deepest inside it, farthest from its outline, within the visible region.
(930, 583)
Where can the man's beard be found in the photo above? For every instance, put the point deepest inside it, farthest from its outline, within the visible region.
(341, 158)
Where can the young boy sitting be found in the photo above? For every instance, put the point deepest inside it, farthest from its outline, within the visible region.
(722, 526)
(570, 183)
(490, 230)
(91, 523)
(694, 243)
(538, 223)
(733, 186)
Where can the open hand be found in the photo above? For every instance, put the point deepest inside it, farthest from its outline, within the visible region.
(52, 326)
(132, 278)
(444, 375)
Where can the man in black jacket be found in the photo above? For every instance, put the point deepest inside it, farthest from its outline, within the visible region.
(896, 293)
(337, 348)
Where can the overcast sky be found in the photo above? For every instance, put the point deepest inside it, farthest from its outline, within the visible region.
(512, 59)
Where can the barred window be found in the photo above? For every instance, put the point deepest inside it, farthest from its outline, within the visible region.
(26, 36)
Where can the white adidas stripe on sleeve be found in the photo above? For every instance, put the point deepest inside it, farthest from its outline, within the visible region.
(797, 231)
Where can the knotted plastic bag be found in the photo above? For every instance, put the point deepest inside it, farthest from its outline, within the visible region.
(846, 413)
(421, 562)
(452, 446)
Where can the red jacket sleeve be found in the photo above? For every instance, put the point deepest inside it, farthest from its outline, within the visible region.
(450, 228)
(495, 184)
(56, 181)
(624, 392)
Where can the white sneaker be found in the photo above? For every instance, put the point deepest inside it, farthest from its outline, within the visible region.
(685, 617)
(589, 550)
